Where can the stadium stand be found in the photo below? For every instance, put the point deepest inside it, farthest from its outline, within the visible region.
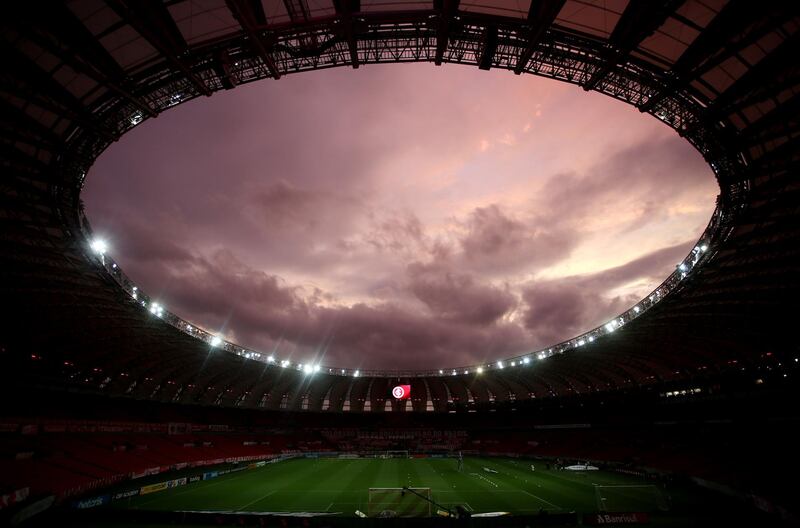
(702, 383)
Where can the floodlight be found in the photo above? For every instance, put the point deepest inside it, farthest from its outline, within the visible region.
(271, 359)
(308, 369)
(637, 309)
(99, 246)
(479, 370)
(356, 373)
(499, 364)
(526, 360)
(316, 368)
(215, 341)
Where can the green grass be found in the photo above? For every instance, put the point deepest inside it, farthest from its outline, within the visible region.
(341, 486)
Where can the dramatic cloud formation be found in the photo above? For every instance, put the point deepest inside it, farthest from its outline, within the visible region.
(406, 216)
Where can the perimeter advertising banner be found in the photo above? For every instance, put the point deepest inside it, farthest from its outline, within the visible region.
(598, 519)
(94, 502)
(152, 488)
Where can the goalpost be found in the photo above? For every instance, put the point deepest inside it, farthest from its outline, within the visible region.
(395, 454)
(397, 502)
(628, 498)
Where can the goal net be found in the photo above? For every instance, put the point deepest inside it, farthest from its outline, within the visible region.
(394, 454)
(397, 502)
(630, 498)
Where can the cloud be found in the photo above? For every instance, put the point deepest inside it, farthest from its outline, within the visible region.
(636, 184)
(450, 295)
(409, 216)
(556, 310)
(496, 241)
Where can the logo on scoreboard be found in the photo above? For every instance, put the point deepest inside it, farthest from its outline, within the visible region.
(402, 392)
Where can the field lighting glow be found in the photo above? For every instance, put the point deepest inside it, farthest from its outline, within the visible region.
(308, 369)
(215, 341)
(99, 246)
(156, 309)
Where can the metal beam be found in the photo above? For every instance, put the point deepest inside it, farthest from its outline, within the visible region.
(21, 121)
(38, 81)
(298, 10)
(345, 10)
(73, 60)
(152, 20)
(488, 47)
(777, 118)
(763, 72)
(250, 16)
(732, 20)
(640, 19)
(541, 15)
(447, 9)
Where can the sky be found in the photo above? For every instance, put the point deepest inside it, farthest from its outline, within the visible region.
(403, 216)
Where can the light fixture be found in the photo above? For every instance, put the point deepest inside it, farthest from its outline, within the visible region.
(156, 309)
(216, 341)
(99, 246)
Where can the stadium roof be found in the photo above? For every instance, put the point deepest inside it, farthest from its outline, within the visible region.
(79, 74)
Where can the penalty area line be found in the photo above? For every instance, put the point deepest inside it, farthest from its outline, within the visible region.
(542, 500)
(258, 499)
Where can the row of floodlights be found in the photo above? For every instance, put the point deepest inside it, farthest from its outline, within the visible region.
(100, 247)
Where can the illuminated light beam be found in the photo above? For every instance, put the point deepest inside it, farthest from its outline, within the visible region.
(99, 246)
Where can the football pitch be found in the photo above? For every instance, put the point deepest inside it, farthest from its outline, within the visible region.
(341, 487)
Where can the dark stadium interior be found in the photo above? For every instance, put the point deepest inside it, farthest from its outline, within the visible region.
(701, 387)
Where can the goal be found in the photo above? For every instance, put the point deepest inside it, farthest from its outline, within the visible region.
(398, 502)
(630, 498)
(394, 454)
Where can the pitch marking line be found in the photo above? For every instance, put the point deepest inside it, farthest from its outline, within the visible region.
(541, 499)
(484, 478)
(258, 499)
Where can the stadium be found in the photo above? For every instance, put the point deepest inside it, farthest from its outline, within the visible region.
(679, 411)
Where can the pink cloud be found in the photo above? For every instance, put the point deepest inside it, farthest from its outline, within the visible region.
(403, 217)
